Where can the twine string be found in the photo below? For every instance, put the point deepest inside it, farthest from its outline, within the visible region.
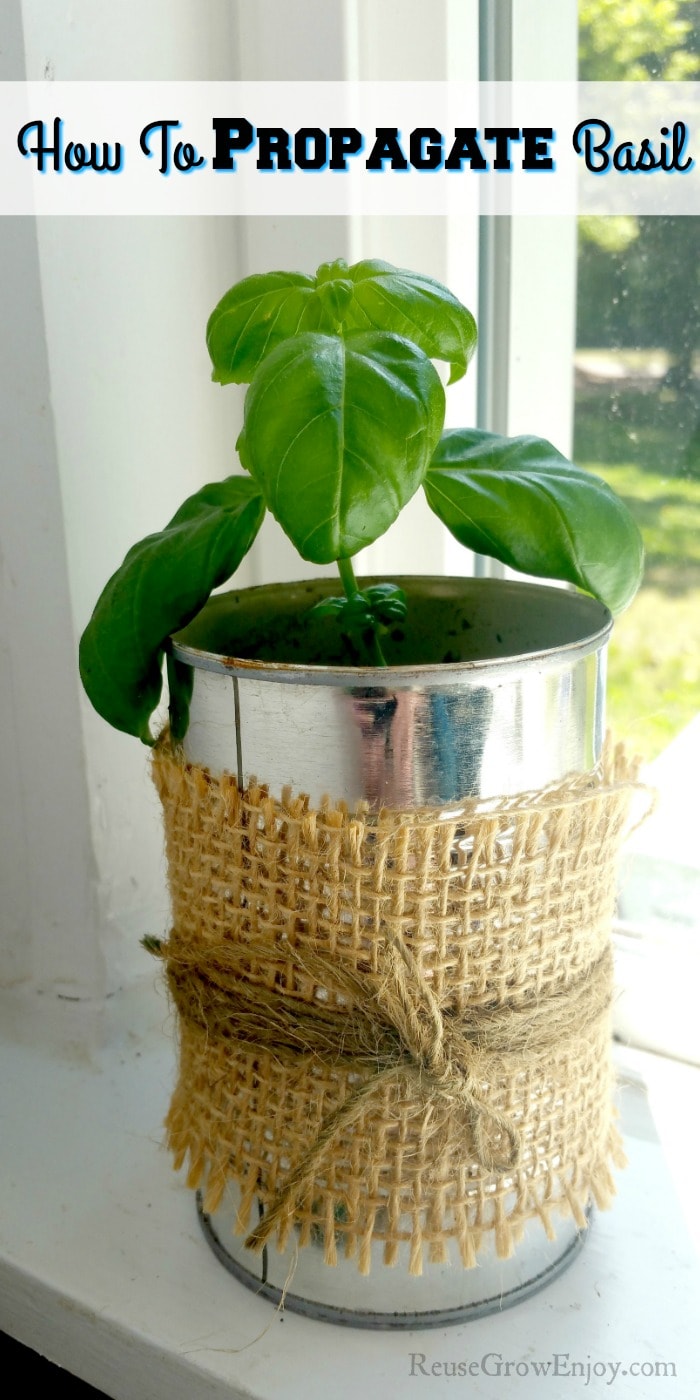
(394, 1027)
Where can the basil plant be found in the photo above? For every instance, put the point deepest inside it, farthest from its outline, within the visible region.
(343, 425)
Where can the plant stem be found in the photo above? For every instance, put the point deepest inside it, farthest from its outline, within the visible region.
(375, 649)
(370, 637)
(347, 577)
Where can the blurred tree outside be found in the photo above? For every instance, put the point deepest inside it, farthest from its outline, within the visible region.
(637, 420)
(626, 41)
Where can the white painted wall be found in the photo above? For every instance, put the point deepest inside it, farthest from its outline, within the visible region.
(46, 865)
(115, 421)
(49, 905)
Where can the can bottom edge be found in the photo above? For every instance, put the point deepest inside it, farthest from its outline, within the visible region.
(375, 1320)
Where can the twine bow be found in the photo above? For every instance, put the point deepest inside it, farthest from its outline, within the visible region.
(394, 1029)
(444, 1056)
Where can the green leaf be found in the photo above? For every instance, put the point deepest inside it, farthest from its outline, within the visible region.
(329, 607)
(163, 583)
(262, 311)
(338, 434)
(521, 501)
(257, 315)
(418, 308)
(387, 602)
(334, 289)
(180, 687)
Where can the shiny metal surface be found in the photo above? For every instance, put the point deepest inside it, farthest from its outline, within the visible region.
(414, 735)
(391, 1298)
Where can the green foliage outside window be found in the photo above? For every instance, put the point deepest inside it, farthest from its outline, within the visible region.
(638, 384)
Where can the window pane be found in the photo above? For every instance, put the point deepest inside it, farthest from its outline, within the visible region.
(637, 401)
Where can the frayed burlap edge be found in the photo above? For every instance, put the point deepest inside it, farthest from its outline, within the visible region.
(501, 907)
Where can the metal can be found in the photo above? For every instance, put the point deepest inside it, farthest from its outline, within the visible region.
(492, 688)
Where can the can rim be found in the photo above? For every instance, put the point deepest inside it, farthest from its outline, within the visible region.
(433, 673)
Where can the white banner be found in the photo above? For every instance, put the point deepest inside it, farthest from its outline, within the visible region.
(349, 148)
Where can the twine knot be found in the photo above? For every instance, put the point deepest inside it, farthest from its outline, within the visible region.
(444, 1055)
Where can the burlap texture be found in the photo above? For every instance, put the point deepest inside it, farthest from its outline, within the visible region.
(501, 906)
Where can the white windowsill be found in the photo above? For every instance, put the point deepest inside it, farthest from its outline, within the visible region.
(104, 1270)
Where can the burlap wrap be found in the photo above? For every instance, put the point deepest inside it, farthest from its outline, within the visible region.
(394, 1026)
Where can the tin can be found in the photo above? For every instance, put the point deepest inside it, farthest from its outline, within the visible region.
(516, 701)
(492, 688)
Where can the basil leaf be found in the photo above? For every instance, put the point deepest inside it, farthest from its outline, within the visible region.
(257, 315)
(338, 434)
(262, 311)
(334, 290)
(180, 687)
(164, 581)
(521, 501)
(390, 298)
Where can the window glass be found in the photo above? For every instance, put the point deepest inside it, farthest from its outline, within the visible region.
(637, 386)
